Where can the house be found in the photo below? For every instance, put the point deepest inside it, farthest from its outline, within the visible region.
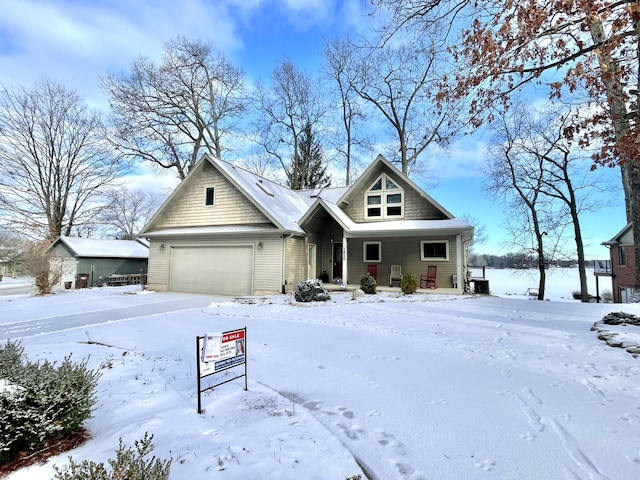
(90, 261)
(623, 271)
(12, 259)
(227, 231)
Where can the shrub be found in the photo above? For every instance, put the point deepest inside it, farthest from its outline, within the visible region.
(408, 284)
(311, 290)
(40, 402)
(368, 284)
(129, 464)
(45, 269)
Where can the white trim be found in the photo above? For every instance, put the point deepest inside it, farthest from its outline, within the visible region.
(434, 259)
(311, 260)
(384, 194)
(364, 252)
(213, 196)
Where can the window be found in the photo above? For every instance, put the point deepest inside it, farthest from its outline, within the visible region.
(622, 257)
(434, 250)
(384, 199)
(209, 196)
(372, 252)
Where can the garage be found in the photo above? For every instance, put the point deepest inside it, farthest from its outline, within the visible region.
(219, 270)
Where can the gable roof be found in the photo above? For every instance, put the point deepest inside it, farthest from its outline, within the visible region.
(380, 160)
(289, 210)
(280, 204)
(101, 248)
(401, 227)
(617, 238)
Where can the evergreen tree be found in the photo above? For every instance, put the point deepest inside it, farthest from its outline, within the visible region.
(308, 169)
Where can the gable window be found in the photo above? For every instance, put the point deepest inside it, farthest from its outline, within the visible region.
(384, 199)
(209, 197)
(434, 250)
(372, 251)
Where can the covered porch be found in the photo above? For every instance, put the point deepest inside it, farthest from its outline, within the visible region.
(342, 251)
(333, 287)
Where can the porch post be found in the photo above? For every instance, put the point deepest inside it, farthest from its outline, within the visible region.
(460, 261)
(344, 260)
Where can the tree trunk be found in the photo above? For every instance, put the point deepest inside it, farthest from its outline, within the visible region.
(629, 165)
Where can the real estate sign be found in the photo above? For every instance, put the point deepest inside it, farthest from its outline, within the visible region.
(220, 351)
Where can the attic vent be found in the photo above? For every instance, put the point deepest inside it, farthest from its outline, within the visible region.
(316, 193)
(264, 188)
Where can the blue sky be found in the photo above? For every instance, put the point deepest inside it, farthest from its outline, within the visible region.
(75, 41)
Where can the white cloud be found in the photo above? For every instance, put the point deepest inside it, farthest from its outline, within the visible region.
(463, 159)
(75, 43)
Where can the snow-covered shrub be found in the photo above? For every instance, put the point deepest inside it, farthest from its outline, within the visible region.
(368, 283)
(130, 463)
(311, 290)
(40, 402)
(408, 284)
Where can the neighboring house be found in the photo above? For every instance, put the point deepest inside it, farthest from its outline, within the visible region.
(623, 271)
(12, 260)
(89, 261)
(227, 231)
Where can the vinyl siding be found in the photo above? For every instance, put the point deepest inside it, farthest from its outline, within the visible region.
(401, 251)
(296, 262)
(416, 207)
(627, 238)
(230, 208)
(267, 266)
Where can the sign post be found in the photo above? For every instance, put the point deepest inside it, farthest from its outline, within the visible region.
(217, 352)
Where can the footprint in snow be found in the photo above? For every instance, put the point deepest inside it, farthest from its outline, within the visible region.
(389, 440)
(486, 465)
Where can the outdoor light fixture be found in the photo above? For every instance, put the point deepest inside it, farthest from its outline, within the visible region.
(259, 245)
(162, 246)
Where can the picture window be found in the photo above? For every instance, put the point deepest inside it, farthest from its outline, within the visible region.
(434, 250)
(372, 251)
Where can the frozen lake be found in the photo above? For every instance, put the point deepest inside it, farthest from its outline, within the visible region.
(560, 282)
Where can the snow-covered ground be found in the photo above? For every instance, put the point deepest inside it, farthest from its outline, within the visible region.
(419, 387)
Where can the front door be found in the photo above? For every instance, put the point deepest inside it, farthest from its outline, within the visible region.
(337, 260)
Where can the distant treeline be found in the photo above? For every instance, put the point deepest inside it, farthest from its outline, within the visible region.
(517, 260)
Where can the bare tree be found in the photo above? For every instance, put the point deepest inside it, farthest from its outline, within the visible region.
(518, 178)
(55, 164)
(171, 114)
(339, 58)
(263, 165)
(532, 146)
(401, 81)
(566, 180)
(292, 103)
(128, 211)
(571, 46)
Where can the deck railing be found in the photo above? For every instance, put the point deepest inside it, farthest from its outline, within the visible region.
(602, 267)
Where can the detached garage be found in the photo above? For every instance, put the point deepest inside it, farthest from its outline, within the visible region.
(220, 270)
(90, 261)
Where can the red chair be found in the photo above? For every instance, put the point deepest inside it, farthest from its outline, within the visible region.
(429, 280)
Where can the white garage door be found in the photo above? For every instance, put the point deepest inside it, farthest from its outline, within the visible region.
(213, 270)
